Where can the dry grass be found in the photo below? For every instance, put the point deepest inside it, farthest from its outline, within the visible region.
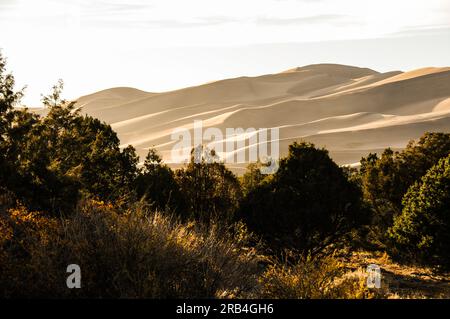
(138, 253)
(401, 281)
(129, 254)
(309, 278)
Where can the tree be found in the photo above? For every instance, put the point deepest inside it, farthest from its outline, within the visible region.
(8, 96)
(308, 205)
(48, 162)
(24, 167)
(386, 179)
(37, 159)
(104, 170)
(422, 230)
(252, 177)
(156, 184)
(87, 149)
(8, 99)
(210, 189)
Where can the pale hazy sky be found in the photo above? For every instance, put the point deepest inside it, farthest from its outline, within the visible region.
(158, 45)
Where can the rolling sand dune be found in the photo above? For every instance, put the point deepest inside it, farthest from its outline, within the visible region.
(351, 111)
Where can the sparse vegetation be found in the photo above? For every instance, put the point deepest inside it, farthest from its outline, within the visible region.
(69, 194)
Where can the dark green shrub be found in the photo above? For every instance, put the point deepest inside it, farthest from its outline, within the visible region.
(386, 179)
(422, 231)
(307, 205)
(47, 162)
(157, 186)
(211, 191)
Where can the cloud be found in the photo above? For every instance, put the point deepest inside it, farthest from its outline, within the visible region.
(111, 22)
(114, 8)
(134, 14)
(7, 5)
(421, 30)
(305, 0)
(334, 19)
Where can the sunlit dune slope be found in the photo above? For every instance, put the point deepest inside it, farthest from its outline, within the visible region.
(351, 111)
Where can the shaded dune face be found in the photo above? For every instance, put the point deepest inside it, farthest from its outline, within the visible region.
(351, 111)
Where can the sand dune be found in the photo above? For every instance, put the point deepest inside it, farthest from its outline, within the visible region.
(351, 111)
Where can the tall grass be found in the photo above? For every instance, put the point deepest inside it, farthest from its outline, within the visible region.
(139, 253)
(311, 278)
(136, 253)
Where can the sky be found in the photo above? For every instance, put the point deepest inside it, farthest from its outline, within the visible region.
(160, 45)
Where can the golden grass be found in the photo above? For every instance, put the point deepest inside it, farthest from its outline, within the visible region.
(401, 281)
(138, 253)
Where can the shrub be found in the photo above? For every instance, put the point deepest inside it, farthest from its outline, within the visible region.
(47, 162)
(212, 192)
(252, 177)
(22, 235)
(129, 254)
(308, 204)
(422, 231)
(157, 186)
(387, 178)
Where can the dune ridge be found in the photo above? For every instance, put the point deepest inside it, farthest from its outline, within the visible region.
(349, 110)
